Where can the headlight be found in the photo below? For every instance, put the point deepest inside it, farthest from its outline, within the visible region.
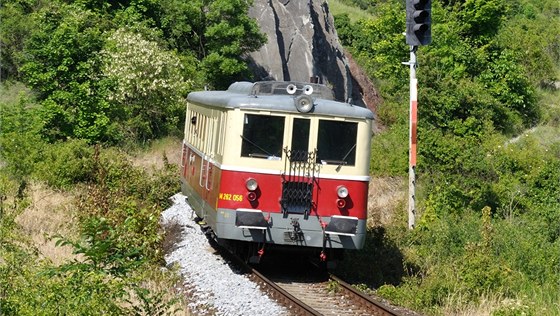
(342, 191)
(251, 184)
(303, 103)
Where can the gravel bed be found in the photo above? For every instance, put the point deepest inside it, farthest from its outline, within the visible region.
(212, 287)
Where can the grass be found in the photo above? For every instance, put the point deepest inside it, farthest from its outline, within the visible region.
(387, 197)
(169, 285)
(354, 13)
(551, 104)
(10, 92)
(53, 212)
(485, 307)
(153, 157)
(497, 304)
(50, 213)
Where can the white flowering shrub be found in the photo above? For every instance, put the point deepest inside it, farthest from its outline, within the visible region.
(146, 83)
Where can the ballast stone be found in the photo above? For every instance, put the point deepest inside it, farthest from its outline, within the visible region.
(210, 280)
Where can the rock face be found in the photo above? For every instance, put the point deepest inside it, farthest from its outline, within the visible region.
(302, 46)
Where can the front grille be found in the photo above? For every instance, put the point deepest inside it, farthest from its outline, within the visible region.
(298, 180)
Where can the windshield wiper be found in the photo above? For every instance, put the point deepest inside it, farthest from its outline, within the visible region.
(343, 162)
(259, 147)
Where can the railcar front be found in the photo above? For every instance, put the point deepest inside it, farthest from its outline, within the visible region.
(278, 163)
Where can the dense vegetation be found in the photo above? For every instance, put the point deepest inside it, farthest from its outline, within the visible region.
(81, 81)
(117, 71)
(489, 154)
(86, 81)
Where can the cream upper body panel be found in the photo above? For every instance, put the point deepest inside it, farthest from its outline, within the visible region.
(218, 130)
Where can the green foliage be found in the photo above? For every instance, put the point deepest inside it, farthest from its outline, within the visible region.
(339, 8)
(119, 238)
(381, 48)
(20, 139)
(506, 82)
(12, 203)
(482, 18)
(469, 84)
(344, 28)
(60, 63)
(102, 250)
(29, 286)
(389, 154)
(219, 33)
(362, 4)
(64, 164)
(37, 290)
(478, 87)
(153, 303)
(453, 94)
(117, 72)
(14, 29)
(530, 32)
(147, 85)
(466, 257)
(183, 25)
(229, 34)
(333, 286)
(120, 212)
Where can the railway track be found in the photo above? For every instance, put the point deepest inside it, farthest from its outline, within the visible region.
(315, 293)
(217, 280)
(321, 297)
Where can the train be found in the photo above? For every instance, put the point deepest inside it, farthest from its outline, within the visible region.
(278, 165)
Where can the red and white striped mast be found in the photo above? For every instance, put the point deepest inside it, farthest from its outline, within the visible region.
(418, 32)
(412, 141)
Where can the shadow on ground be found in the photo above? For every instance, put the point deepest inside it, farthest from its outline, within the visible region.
(379, 262)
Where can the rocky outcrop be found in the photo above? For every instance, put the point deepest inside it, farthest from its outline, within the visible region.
(363, 89)
(303, 46)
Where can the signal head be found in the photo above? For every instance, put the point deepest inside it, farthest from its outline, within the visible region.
(418, 22)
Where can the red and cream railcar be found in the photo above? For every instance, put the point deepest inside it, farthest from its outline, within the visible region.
(278, 163)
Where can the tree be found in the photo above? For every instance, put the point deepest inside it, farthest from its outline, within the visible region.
(218, 32)
(482, 18)
(230, 34)
(15, 27)
(60, 64)
(147, 85)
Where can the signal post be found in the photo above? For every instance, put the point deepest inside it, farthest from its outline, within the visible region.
(418, 32)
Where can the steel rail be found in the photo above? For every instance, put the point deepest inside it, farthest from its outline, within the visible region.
(298, 307)
(284, 298)
(294, 304)
(364, 300)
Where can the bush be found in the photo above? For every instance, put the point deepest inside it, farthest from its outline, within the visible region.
(30, 288)
(20, 138)
(64, 164)
(121, 206)
(389, 153)
(120, 239)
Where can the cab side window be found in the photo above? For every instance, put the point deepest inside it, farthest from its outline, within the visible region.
(300, 134)
(262, 136)
(336, 142)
